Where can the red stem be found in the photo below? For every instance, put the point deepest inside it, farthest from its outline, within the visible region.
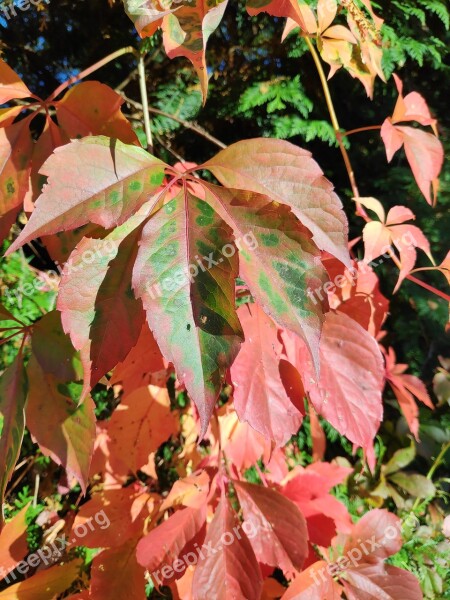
(360, 130)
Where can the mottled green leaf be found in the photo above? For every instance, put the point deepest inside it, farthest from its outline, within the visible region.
(93, 180)
(190, 301)
(279, 262)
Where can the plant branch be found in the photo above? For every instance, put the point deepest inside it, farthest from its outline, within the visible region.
(98, 65)
(335, 124)
(361, 129)
(192, 126)
(144, 98)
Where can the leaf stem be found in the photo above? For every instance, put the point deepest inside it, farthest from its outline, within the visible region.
(98, 65)
(144, 99)
(361, 129)
(433, 468)
(430, 288)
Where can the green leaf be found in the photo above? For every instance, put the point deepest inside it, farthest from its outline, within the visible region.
(401, 459)
(416, 485)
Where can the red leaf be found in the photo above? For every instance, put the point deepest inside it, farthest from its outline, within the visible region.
(348, 392)
(13, 542)
(281, 538)
(98, 309)
(139, 425)
(313, 584)
(11, 86)
(389, 583)
(260, 398)
(142, 366)
(165, 543)
(230, 570)
(116, 574)
(379, 527)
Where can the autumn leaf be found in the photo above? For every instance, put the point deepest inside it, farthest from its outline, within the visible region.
(231, 568)
(13, 395)
(314, 583)
(406, 388)
(165, 543)
(424, 151)
(143, 365)
(115, 573)
(282, 536)
(260, 397)
(186, 24)
(11, 85)
(287, 174)
(280, 265)
(348, 391)
(379, 236)
(98, 308)
(128, 177)
(140, 424)
(45, 584)
(13, 541)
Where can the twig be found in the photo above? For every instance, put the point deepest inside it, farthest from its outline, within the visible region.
(144, 98)
(197, 128)
(361, 129)
(98, 65)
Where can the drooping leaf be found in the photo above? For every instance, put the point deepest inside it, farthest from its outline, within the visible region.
(98, 308)
(13, 395)
(117, 181)
(280, 264)
(282, 538)
(370, 582)
(116, 574)
(190, 306)
(13, 541)
(186, 32)
(140, 424)
(231, 570)
(289, 175)
(259, 396)
(64, 430)
(165, 543)
(348, 391)
(45, 585)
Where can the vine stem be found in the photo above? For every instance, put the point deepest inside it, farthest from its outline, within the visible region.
(361, 129)
(433, 468)
(98, 65)
(339, 136)
(144, 99)
(335, 123)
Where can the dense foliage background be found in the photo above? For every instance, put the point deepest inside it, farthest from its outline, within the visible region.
(260, 87)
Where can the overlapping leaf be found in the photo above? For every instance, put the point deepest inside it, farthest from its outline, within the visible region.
(90, 108)
(13, 395)
(260, 397)
(424, 151)
(186, 25)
